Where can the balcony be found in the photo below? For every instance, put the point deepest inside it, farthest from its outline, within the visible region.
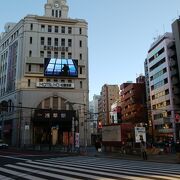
(175, 81)
(173, 62)
(176, 91)
(171, 53)
(174, 72)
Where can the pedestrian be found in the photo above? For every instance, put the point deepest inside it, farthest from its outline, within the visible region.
(143, 150)
(98, 146)
(177, 148)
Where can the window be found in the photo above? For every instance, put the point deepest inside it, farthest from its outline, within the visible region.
(29, 67)
(42, 40)
(40, 80)
(41, 67)
(56, 13)
(49, 54)
(81, 85)
(56, 42)
(62, 55)
(55, 54)
(69, 42)
(69, 55)
(63, 42)
(56, 29)
(42, 54)
(30, 53)
(80, 70)
(42, 28)
(59, 13)
(80, 31)
(30, 40)
(80, 56)
(49, 41)
(29, 82)
(31, 27)
(53, 12)
(80, 43)
(63, 29)
(49, 28)
(69, 30)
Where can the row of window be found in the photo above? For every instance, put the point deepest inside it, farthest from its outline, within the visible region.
(55, 42)
(56, 29)
(156, 55)
(11, 38)
(158, 74)
(157, 64)
(161, 105)
(159, 84)
(160, 94)
(55, 54)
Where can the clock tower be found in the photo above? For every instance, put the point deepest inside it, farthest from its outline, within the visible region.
(56, 9)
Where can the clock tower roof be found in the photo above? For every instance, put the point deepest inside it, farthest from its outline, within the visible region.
(56, 8)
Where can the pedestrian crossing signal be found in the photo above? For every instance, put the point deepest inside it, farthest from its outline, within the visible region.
(177, 118)
(99, 125)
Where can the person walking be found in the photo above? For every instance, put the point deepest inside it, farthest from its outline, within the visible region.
(143, 150)
(177, 148)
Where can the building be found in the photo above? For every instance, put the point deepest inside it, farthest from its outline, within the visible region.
(162, 73)
(44, 78)
(109, 94)
(93, 117)
(176, 34)
(133, 102)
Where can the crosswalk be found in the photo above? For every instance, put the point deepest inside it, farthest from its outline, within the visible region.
(91, 168)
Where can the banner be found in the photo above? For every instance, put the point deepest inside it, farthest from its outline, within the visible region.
(77, 140)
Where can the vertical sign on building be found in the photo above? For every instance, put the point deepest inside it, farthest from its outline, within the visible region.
(77, 140)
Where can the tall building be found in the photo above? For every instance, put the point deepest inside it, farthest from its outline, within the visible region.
(176, 34)
(164, 86)
(44, 78)
(109, 94)
(93, 117)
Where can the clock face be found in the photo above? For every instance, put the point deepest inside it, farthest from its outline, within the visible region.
(56, 5)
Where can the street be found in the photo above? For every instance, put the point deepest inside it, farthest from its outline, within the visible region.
(41, 166)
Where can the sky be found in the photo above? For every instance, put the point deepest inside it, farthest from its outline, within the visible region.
(120, 32)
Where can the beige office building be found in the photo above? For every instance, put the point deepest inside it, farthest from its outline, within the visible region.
(44, 78)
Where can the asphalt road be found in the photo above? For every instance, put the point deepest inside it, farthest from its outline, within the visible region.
(13, 156)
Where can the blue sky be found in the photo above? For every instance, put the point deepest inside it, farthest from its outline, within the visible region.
(120, 32)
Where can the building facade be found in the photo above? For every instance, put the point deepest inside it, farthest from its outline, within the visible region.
(44, 78)
(109, 94)
(133, 101)
(163, 86)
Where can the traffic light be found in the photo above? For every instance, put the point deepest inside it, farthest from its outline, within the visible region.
(177, 117)
(4, 106)
(99, 125)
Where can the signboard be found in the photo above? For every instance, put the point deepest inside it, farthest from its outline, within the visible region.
(77, 140)
(111, 133)
(55, 85)
(140, 134)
